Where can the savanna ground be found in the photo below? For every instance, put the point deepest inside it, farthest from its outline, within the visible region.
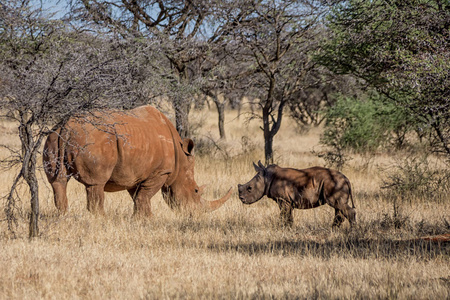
(237, 251)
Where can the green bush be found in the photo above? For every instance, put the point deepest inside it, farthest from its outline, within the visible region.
(365, 125)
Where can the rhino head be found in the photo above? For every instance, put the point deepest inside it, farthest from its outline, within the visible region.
(182, 192)
(255, 189)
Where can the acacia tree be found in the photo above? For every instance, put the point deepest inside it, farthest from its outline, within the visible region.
(402, 48)
(49, 74)
(176, 25)
(319, 92)
(221, 72)
(274, 43)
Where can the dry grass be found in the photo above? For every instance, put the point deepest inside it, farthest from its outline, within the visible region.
(237, 251)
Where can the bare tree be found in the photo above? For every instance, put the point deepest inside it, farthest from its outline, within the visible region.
(274, 44)
(49, 74)
(320, 90)
(176, 25)
(221, 72)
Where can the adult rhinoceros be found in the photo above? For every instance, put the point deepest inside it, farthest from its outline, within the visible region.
(139, 151)
(302, 189)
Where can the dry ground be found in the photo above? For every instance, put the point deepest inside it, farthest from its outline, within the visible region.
(237, 251)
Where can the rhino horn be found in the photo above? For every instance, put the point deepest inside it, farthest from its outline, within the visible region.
(210, 206)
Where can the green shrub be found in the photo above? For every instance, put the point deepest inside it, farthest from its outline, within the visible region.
(364, 125)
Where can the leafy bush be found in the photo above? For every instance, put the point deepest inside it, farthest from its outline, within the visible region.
(364, 125)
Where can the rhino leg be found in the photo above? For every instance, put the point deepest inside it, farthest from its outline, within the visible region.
(341, 211)
(338, 218)
(349, 213)
(142, 195)
(339, 201)
(57, 177)
(95, 198)
(286, 217)
(59, 187)
(142, 201)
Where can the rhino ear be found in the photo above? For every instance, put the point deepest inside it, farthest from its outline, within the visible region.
(188, 146)
(259, 167)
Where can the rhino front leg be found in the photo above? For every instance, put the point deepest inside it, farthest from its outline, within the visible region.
(95, 199)
(286, 217)
(59, 187)
(142, 195)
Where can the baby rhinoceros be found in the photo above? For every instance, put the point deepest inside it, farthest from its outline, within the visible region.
(302, 189)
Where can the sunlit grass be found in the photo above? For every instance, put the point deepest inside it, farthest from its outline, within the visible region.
(237, 251)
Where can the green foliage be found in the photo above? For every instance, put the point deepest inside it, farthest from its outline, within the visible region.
(402, 49)
(364, 125)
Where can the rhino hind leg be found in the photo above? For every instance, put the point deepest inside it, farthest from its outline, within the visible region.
(338, 218)
(95, 199)
(339, 201)
(58, 178)
(344, 211)
(350, 214)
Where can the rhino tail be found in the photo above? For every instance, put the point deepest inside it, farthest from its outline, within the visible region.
(61, 171)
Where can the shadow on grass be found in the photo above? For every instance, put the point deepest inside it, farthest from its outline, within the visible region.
(351, 248)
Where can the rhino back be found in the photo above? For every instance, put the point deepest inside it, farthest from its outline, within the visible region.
(123, 150)
(289, 183)
(286, 183)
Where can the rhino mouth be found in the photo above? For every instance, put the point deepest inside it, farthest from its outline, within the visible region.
(242, 191)
(245, 201)
(241, 196)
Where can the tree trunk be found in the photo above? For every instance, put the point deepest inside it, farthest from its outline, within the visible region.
(221, 122)
(180, 104)
(268, 149)
(221, 110)
(182, 108)
(443, 140)
(268, 137)
(29, 152)
(270, 132)
(34, 190)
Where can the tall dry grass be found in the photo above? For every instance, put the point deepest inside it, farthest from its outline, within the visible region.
(237, 251)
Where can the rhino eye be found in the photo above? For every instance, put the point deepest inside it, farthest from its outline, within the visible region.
(249, 189)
